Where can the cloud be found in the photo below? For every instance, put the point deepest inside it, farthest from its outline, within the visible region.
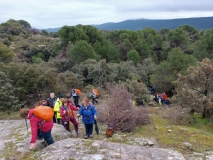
(56, 13)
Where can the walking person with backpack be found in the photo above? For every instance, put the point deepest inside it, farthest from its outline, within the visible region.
(66, 114)
(75, 93)
(39, 128)
(89, 114)
(94, 95)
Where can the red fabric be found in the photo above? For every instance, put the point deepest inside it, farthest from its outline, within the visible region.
(164, 96)
(63, 116)
(72, 107)
(46, 126)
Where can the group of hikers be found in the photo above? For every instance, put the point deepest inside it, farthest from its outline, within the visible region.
(63, 114)
(160, 98)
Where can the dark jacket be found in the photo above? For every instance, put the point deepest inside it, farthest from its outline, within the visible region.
(51, 102)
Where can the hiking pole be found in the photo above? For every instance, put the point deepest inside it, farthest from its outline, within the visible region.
(22, 106)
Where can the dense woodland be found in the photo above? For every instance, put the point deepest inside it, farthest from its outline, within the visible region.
(33, 63)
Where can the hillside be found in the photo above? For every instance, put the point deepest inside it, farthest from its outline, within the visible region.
(201, 23)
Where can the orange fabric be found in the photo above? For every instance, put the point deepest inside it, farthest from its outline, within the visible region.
(96, 92)
(78, 91)
(69, 111)
(169, 100)
(44, 112)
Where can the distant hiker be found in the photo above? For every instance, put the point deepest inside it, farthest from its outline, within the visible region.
(51, 102)
(94, 96)
(167, 101)
(75, 93)
(152, 89)
(57, 106)
(39, 128)
(89, 114)
(66, 114)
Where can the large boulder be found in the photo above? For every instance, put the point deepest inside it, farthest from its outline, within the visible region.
(99, 150)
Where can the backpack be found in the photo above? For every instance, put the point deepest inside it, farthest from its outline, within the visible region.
(96, 92)
(44, 112)
(78, 91)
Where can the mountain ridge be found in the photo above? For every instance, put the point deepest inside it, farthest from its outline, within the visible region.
(200, 23)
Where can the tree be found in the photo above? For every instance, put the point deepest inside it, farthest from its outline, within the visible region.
(133, 56)
(6, 54)
(81, 51)
(166, 71)
(9, 100)
(177, 38)
(194, 91)
(72, 34)
(44, 33)
(24, 24)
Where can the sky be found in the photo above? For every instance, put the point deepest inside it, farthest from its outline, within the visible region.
(43, 14)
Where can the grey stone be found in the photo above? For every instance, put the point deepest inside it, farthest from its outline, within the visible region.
(150, 143)
(117, 155)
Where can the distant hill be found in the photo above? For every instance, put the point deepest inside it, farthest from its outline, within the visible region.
(201, 23)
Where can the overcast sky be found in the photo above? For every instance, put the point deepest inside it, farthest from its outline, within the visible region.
(44, 14)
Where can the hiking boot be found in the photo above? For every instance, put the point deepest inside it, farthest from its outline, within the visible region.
(76, 133)
(86, 137)
(91, 136)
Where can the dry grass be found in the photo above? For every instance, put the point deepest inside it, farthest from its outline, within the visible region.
(199, 134)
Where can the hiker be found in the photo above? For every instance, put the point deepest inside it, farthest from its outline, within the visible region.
(94, 95)
(75, 96)
(167, 101)
(39, 128)
(51, 102)
(152, 89)
(66, 114)
(163, 97)
(89, 114)
(57, 106)
(72, 118)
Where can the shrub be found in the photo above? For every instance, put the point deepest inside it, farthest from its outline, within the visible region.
(118, 112)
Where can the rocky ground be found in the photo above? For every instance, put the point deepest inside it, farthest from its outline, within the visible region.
(15, 138)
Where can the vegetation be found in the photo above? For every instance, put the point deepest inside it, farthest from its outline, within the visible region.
(34, 63)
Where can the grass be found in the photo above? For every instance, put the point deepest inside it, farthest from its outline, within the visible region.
(199, 135)
(11, 116)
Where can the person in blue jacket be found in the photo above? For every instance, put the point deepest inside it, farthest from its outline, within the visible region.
(89, 114)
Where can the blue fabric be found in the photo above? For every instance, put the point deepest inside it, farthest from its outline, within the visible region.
(88, 113)
(48, 137)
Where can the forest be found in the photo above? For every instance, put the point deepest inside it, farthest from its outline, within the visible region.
(34, 63)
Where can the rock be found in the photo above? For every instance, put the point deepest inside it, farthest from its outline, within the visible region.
(150, 143)
(117, 155)
(96, 145)
(97, 157)
(67, 146)
(169, 130)
(188, 145)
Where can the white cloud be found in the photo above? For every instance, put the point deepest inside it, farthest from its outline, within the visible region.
(56, 13)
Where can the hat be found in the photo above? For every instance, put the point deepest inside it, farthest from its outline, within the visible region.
(61, 96)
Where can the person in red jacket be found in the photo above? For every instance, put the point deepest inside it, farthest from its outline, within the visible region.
(66, 114)
(72, 119)
(38, 125)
